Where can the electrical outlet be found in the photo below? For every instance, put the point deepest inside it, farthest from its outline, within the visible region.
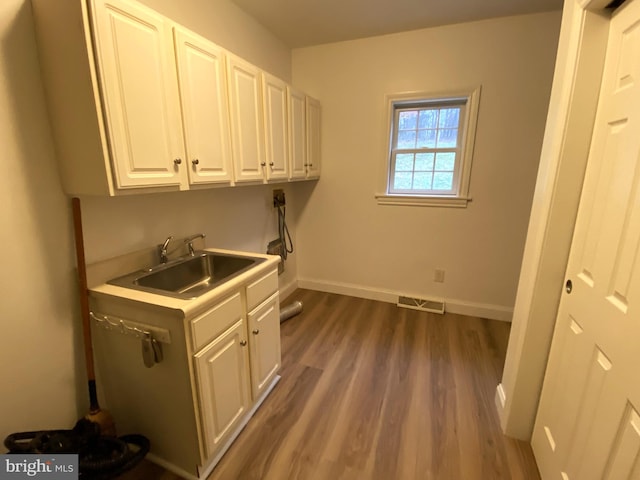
(438, 276)
(278, 198)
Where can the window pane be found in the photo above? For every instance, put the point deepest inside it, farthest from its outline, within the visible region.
(404, 162)
(407, 120)
(407, 139)
(428, 119)
(422, 181)
(402, 181)
(449, 118)
(442, 181)
(445, 161)
(426, 138)
(447, 138)
(424, 162)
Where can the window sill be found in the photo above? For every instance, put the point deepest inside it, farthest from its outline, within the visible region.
(422, 200)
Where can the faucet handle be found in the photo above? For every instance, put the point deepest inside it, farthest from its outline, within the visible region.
(162, 249)
(166, 242)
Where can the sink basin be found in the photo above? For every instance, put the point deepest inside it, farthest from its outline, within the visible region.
(188, 277)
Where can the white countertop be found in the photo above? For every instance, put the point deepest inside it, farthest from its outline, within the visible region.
(191, 306)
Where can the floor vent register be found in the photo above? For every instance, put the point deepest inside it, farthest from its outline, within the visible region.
(423, 304)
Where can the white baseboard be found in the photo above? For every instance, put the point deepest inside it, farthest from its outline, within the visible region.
(170, 467)
(288, 289)
(461, 307)
(206, 469)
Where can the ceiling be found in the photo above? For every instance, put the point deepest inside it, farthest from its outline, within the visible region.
(301, 23)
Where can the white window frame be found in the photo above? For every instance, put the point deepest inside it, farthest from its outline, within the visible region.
(459, 196)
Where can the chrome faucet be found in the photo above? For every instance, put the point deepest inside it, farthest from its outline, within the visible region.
(162, 249)
(189, 241)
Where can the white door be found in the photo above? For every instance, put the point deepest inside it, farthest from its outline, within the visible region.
(201, 70)
(247, 128)
(223, 385)
(264, 341)
(588, 423)
(274, 94)
(313, 138)
(140, 94)
(297, 134)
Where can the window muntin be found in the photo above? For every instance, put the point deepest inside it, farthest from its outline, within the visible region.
(426, 147)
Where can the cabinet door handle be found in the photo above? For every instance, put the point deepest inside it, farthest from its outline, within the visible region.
(256, 331)
(177, 161)
(271, 164)
(264, 164)
(195, 161)
(243, 343)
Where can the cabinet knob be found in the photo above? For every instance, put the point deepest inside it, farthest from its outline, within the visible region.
(256, 331)
(271, 164)
(177, 161)
(195, 161)
(243, 343)
(264, 164)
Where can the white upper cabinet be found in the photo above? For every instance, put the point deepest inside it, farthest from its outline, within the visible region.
(297, 134)
(247, 128)
(313, 138)
(201, 71)
(136, 72)
(276, 127)
(137, 103)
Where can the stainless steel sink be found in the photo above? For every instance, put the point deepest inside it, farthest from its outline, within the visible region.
(188, 277)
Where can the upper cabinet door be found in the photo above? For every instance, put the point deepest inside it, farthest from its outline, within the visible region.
(205, 114)
(276, 127)
(313, 138)
(247, 129)
(136, 71)
(297, 134)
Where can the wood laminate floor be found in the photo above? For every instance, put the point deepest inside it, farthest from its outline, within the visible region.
(371, 391)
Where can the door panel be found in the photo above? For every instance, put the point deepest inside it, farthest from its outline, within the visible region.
(625, 455)
(313, 138)
(223, 386)
(587, 424)
(264, 340)
(297, 134)
(201, 69)
(140, 94)
(276, 127)
(247, 128)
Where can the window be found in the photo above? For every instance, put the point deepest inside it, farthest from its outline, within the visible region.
(430, 146)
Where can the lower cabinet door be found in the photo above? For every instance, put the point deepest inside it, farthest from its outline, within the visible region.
(223, 385)
(264, 340)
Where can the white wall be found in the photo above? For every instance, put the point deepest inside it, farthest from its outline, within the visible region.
(39, 343)
(224, 23)
(41, 366)
(348, 242)
(574, 97)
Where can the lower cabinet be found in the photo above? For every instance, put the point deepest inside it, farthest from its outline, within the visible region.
(264, 341)
(219, 361)
(222, 370)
